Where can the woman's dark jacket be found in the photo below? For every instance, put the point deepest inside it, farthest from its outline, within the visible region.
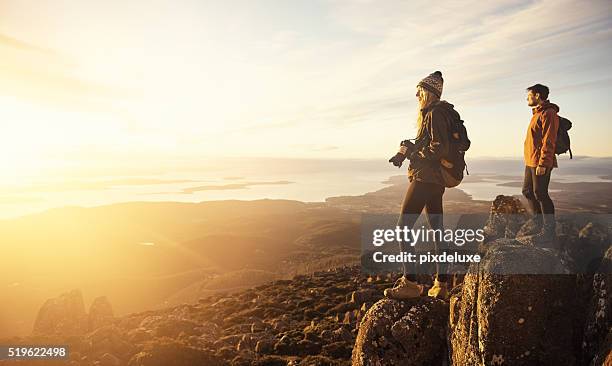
(432, 143)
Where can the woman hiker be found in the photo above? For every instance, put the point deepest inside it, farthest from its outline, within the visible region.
(426, 186)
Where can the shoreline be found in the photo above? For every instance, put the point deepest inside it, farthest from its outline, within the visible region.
(475, 188)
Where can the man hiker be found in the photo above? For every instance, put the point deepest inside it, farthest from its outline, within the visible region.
(426, 182)
(540, 159)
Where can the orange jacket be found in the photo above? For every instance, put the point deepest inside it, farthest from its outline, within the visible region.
(542, 136)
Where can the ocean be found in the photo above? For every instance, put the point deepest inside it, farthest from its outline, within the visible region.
(309, 180)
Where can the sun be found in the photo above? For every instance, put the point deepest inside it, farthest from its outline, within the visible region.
(28, 140)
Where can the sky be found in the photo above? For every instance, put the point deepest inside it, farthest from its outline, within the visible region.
(92, 83)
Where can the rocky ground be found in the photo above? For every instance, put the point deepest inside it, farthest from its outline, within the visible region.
(558, 311)
(309, 320)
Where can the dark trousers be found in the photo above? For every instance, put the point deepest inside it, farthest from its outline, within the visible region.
(428, 196)
(535, 189)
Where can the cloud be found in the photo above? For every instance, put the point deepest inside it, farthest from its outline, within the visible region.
(96, 185)
(315, 147)
(44, 76)
(11, 42)
(488, 52)
(17, 200)
(478, 45)
(260, 78)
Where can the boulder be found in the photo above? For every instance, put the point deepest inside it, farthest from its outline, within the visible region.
(242, 360)
(100, 313)
(108, 339)
(286, 346)
(63, 315)
(411, 332)
(265, 346)
(598, 328)
(293, 347)
(515, 307)
(364, 295)
(171, 326)
(506, 218)
(585, 245)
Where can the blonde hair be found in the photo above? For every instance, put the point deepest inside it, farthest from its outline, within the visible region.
(428, 98)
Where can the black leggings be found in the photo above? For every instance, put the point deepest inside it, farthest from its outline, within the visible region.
(418, 196)
(535, 189)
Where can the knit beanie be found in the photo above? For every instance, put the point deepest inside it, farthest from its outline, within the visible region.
(433, 83)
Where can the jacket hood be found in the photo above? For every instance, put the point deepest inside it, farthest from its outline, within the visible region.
(546, 105)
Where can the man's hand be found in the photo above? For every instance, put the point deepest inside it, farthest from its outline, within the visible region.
(540, 170)
(403, 150)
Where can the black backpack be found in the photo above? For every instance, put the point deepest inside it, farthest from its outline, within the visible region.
(563, 140)
(453, 165)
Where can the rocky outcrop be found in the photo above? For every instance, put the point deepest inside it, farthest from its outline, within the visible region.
(524, 305)
(597, 345)
(63, 315)
(521, 305)
(506, 217)
(517, 319)
(405, 333)
(583, 243)
(100, 313)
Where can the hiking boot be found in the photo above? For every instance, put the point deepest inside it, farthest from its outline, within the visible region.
(404, 289)
(439, 290)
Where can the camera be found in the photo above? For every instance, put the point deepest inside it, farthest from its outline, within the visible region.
(399, 158)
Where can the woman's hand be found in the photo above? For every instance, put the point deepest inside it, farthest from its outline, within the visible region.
(403, 150)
